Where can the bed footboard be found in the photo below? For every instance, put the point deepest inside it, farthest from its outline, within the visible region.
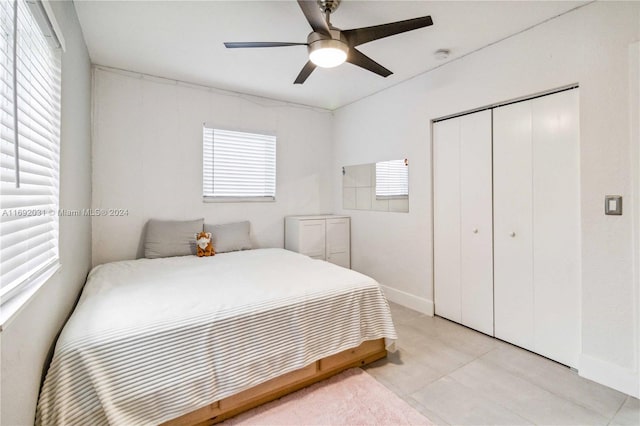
(218, 411)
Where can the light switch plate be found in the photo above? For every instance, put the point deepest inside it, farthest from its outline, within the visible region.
(613, 205)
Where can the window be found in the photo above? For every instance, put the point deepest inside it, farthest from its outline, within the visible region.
(238, 166)
(29, 147)
(392, 179)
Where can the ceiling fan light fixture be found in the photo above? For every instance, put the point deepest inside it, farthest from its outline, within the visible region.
(328, 53)
(329, 46)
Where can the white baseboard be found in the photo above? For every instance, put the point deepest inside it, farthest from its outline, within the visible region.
(420, 304)
(611, 375)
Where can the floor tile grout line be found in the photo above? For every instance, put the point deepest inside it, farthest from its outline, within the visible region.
(542, 386)
(499, 404)
(522, 377)
(440, 376)
(426, 408)
(545, 389)
(439, 371)
(550, 392)
(453, 347)
(624, 401)
(449, 422)
(423, 326)
(403, 395)
(448, 375)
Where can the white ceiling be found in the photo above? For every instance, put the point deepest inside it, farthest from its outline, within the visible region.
(182, 40)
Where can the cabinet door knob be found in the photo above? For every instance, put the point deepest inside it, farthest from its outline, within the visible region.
(512, 234)
(475, 230)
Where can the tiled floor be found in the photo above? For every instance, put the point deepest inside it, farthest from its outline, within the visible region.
(454, 375)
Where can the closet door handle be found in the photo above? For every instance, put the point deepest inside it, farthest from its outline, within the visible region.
(512, 234)
(475, 230)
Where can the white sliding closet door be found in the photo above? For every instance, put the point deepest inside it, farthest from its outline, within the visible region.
(537, 225)
(463, 220)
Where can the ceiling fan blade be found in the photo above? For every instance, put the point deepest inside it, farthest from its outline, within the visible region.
(243, 44)
(360, 36)
(306, 72)
(314, 15)
(358, 58)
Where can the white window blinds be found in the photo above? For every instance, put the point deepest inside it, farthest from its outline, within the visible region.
(392, 179)
(29, 148)
(238, 165)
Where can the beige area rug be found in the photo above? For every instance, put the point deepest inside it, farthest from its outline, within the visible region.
(352, 397)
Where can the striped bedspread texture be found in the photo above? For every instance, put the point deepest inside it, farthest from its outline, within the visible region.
(153, 339)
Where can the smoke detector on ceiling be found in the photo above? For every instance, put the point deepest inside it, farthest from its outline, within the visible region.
(442, 54)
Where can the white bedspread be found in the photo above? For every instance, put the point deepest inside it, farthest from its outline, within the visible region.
(152, 339)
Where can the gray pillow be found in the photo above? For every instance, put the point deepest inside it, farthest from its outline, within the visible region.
(230, 237)
(166, 238)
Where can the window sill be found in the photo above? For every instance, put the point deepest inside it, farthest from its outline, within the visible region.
(238, 199)
(392, 197)
(10, 309)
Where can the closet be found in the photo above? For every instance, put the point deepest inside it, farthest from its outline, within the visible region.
(507, 223)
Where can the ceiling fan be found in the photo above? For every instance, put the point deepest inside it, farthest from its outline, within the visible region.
(330, 46)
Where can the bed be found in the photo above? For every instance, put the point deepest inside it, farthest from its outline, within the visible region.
(178, 339)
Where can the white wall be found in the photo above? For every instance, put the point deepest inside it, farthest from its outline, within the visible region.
(147, 158)
(634, 114)
(588, 46)
(28, 338)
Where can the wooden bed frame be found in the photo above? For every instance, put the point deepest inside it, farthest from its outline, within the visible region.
(218, 411)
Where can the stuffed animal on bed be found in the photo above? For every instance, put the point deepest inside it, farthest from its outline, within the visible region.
(205, 246)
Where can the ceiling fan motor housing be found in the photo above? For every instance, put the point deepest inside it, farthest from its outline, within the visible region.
(335, 35)
(328, 5)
